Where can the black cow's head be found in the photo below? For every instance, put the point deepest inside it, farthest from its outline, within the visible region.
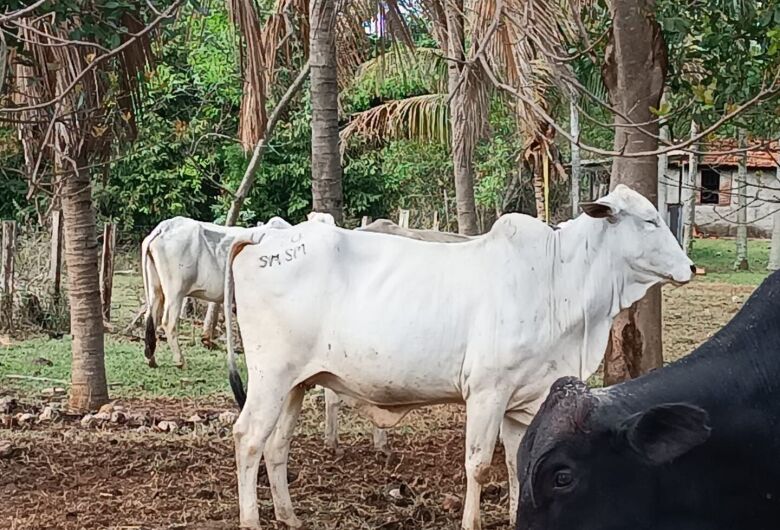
(586, 464)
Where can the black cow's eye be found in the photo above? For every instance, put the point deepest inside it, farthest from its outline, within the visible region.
(563, 479)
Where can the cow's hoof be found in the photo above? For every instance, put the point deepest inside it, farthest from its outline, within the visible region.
(151, 362)
(181, 365)
(291, 522)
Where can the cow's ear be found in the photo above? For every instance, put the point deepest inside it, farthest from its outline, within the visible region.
(665, 432)
(598, 210)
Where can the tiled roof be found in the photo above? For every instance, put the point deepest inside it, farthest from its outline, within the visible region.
(764, 155)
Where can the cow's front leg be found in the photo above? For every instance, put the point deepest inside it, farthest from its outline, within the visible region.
(254, 425)
(332, 403)
(276, 453)
(512, 432)
(380, 440)
(483, 419)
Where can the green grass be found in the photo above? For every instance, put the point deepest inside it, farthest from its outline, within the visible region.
(126, 368)
(717, 256)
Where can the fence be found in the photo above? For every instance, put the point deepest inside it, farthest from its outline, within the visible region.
(31, 276)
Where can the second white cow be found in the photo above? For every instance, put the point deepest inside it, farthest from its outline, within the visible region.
(515, 310)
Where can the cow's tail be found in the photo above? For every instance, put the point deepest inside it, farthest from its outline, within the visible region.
(234, 376)
(153, 297)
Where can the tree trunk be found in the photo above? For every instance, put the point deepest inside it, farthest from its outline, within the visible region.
(574, 122)
(689, 192)
(634, 73)
(462, 137)
(774, 252)
(741, 262)
(88, 373)
(326, 188)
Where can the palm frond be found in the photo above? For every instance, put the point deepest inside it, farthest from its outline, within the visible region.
(246, 18)
(424, 67)
(421, 118)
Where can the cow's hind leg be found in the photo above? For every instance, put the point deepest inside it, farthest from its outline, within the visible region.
(252, 429)
(276, 453)
(512, 432)
(483, 418)
(171, 313)
(332, 403)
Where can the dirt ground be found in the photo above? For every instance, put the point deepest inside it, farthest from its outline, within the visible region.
(61, 474)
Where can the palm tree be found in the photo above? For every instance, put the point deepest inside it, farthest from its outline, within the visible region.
(327, 194)
(70, 109)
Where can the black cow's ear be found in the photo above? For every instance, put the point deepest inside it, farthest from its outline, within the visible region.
(597, 210)
(665, 432)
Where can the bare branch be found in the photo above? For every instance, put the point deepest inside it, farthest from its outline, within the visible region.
(773, 89)
(248, 179)
(13, 15)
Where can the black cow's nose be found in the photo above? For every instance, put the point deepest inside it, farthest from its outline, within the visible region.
(693, 268)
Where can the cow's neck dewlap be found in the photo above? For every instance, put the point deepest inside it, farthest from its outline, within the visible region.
(586, 267)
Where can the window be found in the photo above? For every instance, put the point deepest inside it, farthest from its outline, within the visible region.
(710, 186)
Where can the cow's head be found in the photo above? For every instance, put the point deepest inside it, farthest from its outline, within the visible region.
(586, 465)
(640, 238)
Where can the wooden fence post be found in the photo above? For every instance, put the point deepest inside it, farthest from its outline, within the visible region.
(436, 220)
(107, 268)
(365, 221)
(403, 218)
(55, 259)
(7, 271)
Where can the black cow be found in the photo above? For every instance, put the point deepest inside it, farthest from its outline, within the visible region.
(692, 446)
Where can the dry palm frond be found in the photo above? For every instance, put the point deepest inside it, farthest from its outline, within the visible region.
(285, 28)
(66, 100)
(245, 16)
(422, 118)
(527, 47)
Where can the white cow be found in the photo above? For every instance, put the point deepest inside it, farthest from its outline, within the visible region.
(382, 226)
(351, 311)
(181, 257)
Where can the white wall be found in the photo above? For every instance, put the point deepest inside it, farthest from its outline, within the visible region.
(721, 220)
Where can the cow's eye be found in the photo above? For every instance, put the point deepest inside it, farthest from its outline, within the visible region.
(563, 479)
(653, 222)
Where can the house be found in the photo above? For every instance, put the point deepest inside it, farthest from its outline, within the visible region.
(716, 194)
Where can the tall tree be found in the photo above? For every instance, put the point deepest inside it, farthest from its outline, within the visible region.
(774, 252)
(574, 127)
(690, 193)
(634, 73)
(462, 136)
(741, 262)
(71, 105)
(327, 193)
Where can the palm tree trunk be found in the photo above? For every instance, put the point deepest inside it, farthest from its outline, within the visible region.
(462, 139)
(88, 373)
(327, 194)
(634, 73)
